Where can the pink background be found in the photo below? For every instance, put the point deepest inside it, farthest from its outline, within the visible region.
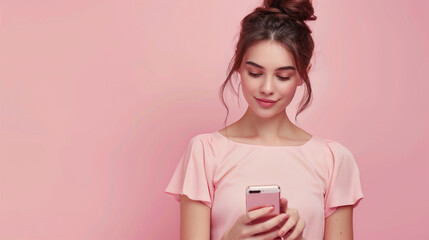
(98, 100)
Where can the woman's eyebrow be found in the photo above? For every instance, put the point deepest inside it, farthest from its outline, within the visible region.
(280, 68)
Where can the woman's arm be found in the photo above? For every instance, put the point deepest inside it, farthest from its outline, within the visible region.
(194, 219)
(339, 225)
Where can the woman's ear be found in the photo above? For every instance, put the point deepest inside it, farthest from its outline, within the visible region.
(309, 67)
(239, 72)
(300, 81)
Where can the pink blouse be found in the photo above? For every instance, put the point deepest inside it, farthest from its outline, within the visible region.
(315, 178)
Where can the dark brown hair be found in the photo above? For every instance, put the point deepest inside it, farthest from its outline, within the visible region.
(281, 21)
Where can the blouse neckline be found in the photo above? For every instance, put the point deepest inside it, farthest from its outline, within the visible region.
(266, 146)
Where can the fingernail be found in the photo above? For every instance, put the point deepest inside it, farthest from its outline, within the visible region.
(281, 233)
(271, 208)
(285, 216)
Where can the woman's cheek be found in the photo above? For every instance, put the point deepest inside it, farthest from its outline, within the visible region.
(246, 87)
(288, 94)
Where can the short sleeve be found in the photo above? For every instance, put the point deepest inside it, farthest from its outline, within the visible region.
(194, 173)
(343, 186)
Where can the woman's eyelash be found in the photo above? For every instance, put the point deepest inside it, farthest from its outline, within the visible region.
(254, 74)
(259, 74)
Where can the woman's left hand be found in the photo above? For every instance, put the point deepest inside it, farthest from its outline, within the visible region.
(294, 225)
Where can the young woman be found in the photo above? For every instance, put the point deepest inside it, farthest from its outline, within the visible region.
(319, 178)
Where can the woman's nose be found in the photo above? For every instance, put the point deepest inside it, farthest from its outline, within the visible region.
(267, 85)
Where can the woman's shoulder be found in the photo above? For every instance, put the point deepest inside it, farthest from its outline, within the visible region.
(326, 143)
(332, 152)
(207, 142)
(205, 138)
(335, 147)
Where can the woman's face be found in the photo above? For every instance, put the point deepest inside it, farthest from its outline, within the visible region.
(268, 72)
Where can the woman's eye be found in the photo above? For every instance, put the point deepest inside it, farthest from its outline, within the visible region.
(254, 74)
(283, 78)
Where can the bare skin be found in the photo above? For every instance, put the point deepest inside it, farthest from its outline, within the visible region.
(268, 71)
(339, 225)
(292, 136)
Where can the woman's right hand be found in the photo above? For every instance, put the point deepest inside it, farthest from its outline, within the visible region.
(245, 229)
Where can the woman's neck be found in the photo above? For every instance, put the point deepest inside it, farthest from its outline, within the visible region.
(279, 126)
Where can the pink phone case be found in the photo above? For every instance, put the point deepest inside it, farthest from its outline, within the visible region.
(261, 196)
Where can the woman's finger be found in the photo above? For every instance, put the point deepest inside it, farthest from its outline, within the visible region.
(283, 205)
(290, 223)
(268, 224)
(268, 235)
(297, 231)
(255, 214)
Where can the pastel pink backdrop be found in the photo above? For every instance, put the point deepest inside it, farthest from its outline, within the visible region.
(98, 100)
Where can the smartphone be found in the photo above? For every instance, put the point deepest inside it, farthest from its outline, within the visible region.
(263, 196)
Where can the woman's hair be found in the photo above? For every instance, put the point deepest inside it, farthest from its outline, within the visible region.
(281, 21)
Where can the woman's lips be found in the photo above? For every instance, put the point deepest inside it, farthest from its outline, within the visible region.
(266, 103)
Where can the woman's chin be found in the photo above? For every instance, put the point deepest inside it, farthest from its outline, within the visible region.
(266, 113)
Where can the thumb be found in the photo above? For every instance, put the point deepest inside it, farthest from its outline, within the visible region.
(283, 204)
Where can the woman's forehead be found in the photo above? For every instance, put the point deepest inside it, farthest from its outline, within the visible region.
(269, 54)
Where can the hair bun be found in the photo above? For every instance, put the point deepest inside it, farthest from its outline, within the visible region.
(300, 10)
